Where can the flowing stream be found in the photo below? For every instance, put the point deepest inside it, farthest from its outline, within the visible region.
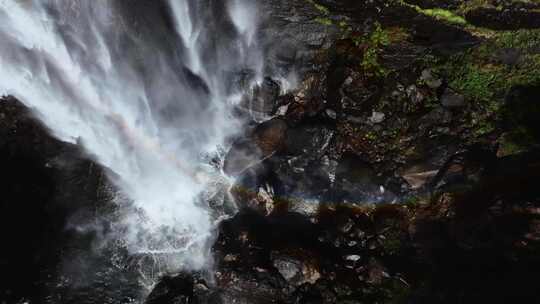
(145, 88)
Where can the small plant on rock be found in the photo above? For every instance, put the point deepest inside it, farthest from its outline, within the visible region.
(374, 44)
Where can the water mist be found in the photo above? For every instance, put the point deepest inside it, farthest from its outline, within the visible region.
(145, 102)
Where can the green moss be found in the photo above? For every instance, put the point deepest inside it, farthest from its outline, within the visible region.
(321, 8)
(378, 39)
(479, 74)
(475, 81)
(344, 25)
(472, 4)
(324, 21)
(483, 127)
(397, 34)
(438, 13)
(508, 145)
(443, 15)
(484, 79)
(370, 136)
(412, 201)
(522, 39)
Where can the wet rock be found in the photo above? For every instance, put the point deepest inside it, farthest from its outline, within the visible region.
(356, 96)
(345, 225)
(410, 99)
(508, 56)
(302, 169)
(309, 139)
(507, 145)
(430, 79)
(463, 170)
(351, 261)
(254, 194)
(452, 100)
(418, 176)
(309, 100)
(331, 113)
(175, 290)
(506, 19)
(243, 154)
(522, 109)
(304, 179)
(356, 119)
(270, 136)
(236, 285)
(295, 271)
(389, 252)
(352, 258)
(305, 206)
(426, 160)
(376, 272)
(284, 102)
(446, 4)
(41, 177)
(441, 37)
(264, 100)
(296, 35)
(377, 117)
(266, 139)
(437, 116)
(300, 111)
(357, 182)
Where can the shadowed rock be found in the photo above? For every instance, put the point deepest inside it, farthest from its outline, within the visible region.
(266, 139)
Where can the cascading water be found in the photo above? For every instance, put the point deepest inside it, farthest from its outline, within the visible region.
(145, 96)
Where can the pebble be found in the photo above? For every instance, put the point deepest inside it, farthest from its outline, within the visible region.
(377, 117)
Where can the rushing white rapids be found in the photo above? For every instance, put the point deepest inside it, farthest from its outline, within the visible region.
(145, 104)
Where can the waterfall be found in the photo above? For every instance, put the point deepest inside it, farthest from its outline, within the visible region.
(145, 97)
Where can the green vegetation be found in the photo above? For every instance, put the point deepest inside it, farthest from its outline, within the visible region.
(442, 14)
(438, 13)
(324, 21)
(485, 73)
(473, 80)
(508, 145)
(482, 125)
(482, 75)
(523, 39)
(472, 4)
(321, 8)
(374, 44)
(371, 136)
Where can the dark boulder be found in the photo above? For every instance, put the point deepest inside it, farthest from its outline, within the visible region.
(522, 109)
(51, 192)
(357, 182)
(177, 290)
(265, 139)
(262, 100)
(452, 100)
(507, 19)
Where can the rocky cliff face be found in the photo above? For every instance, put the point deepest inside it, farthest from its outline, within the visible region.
(390, 173)
(401, 168)
(54, 207)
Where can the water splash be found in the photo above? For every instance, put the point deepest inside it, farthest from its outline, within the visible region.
(144, 101)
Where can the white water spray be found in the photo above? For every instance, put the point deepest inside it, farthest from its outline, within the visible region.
(145, 110)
